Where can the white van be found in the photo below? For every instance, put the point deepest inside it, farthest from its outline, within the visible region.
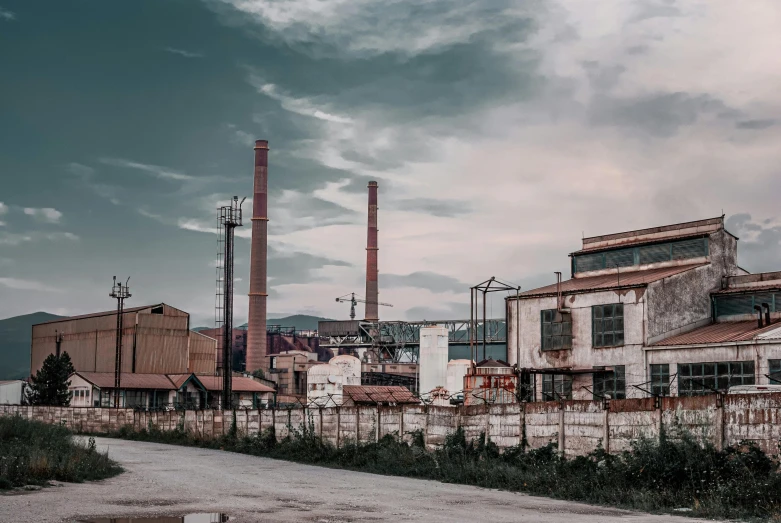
(754, 389)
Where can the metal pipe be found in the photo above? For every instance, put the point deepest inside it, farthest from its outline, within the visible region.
(759, 312)
(372, 291)
(256, 329)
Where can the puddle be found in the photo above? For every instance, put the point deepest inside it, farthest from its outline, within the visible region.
(188, 518)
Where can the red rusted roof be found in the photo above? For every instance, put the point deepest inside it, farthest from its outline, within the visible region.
(373, 394)
(239, 384)
(718, 333)
(178, 379)
(612, 281)
(105, 380)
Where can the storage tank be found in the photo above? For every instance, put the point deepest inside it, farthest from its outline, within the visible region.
(433, 358)
(351, 368)
(456, 370)
(324, 385)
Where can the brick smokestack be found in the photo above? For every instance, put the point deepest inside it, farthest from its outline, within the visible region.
(372, 291)
(256, 332)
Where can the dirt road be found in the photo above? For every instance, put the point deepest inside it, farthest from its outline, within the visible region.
(170, 480)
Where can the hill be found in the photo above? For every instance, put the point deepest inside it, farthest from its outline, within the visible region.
(301, 322)
(15, 338)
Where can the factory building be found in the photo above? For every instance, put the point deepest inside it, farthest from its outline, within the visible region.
(660, 311)
(156, 339)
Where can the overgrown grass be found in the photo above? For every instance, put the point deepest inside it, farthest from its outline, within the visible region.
(33, 453)
(661, 475)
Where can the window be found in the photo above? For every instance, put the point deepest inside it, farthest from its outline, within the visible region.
(607, 325)
(556, 387)
(660, 379)
(774, 372)
(696, 379)
(641, 255)
(611, 384)
(556, 330)
(732, 305)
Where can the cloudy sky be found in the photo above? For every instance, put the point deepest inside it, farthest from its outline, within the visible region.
(500, 133)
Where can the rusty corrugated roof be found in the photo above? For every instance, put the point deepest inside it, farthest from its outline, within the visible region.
(611, 281)
(653, 230)
(239, 384)
(105, 380)
(372, 394)
(718, 333)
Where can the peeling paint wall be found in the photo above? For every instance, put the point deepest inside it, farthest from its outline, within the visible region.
(578, 427)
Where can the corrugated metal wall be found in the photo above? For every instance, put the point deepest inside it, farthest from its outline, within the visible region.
(202, 354)
(159, 342)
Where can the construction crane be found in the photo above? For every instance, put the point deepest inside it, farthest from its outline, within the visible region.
(355, 301)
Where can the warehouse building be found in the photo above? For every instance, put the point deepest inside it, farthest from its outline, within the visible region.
(656, 311)
(156, 339)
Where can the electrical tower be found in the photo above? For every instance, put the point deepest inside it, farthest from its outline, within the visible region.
(120, 293)
(229, 219)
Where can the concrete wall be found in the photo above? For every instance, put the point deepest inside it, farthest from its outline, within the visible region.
(577, 426)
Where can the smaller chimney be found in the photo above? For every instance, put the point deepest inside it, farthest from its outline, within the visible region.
(767, 313)
(759, 312)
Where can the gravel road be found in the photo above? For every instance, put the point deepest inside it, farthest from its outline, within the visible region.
(170, 480)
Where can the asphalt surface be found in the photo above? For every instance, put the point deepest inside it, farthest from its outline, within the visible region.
(165, 480)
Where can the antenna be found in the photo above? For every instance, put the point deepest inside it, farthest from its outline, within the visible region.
(120, 293)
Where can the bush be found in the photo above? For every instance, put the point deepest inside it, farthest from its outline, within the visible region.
(33, 453)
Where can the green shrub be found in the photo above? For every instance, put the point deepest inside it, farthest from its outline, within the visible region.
(33, 453)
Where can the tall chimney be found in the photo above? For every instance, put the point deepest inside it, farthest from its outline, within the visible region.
(256, 332)
(372, 292)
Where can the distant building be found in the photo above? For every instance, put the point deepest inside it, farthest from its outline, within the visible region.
(660, 311)
(12, 392)
(164, 391)
(156, 339)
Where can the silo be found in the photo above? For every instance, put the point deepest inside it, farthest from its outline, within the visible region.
(351, 368)
(324, 385)
(456, 370)
(433, 358)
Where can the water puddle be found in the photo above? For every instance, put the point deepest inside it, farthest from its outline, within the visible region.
(188, 518)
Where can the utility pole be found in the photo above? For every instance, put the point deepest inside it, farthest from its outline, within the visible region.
(120, 293)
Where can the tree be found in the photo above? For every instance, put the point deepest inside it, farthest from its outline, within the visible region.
(50, 384)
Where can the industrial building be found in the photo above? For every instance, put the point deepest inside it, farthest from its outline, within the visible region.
(659, 311)
(156, 339)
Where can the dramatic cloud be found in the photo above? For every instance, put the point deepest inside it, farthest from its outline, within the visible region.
(759, 248)
(182, 52)
(26, 285)
(164, 173)
(431, 281)
(44, 214)
(6, 15)
(302, 106)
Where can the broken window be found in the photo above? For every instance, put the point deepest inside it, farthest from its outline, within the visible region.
(610, 384)
(608, 325)
(556, 330)
(697, 379)
(556, 387)
(774, 372)
(660, 379)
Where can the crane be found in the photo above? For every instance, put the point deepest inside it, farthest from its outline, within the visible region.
(353, 301)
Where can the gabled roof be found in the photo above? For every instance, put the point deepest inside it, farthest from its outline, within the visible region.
(373, 394)
(603, 282)
(181, 379)
(726, 332)
(127, 380)
(107, 313)
(239, 384)
(490, 362)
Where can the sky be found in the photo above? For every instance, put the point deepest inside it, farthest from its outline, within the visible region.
(500, 134)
